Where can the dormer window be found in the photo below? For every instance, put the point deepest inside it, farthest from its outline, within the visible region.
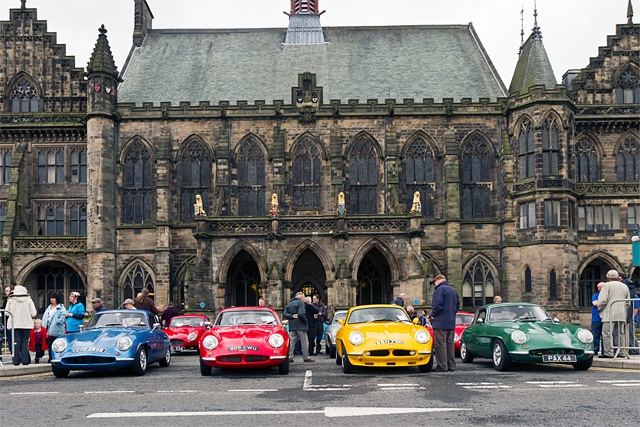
(24, 98)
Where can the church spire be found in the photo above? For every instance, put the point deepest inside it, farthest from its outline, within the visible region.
(536, 34)
(101, 60)
(629, 13)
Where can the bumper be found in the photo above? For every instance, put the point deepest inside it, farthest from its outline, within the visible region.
(535, 356)
(244, 360)
(420, 357)
(89, 364)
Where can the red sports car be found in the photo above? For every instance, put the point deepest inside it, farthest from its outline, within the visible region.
(245, 337)
(185, 331)
(463, 319)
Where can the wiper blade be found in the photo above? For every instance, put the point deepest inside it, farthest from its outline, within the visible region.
(526, 319)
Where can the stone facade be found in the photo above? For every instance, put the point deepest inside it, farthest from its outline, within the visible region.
(119, 221)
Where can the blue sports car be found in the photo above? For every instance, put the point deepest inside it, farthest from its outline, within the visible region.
(113, 339)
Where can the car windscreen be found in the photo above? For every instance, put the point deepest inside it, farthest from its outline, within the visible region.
(462, 319)
(339, 316)
(518, 312)
(378, 314)
(246, 317)
(178, 322)
(118, 319)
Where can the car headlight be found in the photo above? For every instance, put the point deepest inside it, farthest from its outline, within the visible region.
(518, 337)
(456, 337)
(124, 343)
(192, 336)
(585, 336)
(356, 338)
(59, 345)
(422, 337)
(210, 342)
(276, 340)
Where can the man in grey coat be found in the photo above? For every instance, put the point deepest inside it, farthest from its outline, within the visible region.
(296, 312)
(614, 314)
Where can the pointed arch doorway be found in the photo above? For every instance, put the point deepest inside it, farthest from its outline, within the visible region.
(309, 276)
(244, 281)
(374, 279)
(54, 277)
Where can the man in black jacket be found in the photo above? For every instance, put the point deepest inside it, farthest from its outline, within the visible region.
(296, 312)
(312, 315)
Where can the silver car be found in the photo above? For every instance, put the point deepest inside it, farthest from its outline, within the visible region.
(330, 332)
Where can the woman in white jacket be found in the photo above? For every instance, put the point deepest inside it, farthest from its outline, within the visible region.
(22, 310)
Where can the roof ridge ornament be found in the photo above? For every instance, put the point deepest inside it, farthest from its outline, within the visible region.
(629, 13)
(536, 34)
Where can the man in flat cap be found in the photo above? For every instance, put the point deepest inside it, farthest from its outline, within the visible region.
(97, 305)
(614, 314)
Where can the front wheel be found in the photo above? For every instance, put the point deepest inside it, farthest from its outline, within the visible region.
(205, 370)
(59, 373)
(140, 363)
(337, 356)
(465, 354)
(347, 367)
(583, 365)
(427, 366)
(330, 349)
(167, 359)
(283, 368)
(501, 358)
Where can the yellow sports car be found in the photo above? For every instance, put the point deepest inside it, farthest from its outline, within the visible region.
(382, 335)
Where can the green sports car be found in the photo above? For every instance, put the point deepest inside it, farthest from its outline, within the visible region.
(523, 332)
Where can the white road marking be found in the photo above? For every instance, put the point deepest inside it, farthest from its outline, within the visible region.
(329, 412)
(555, 384)
(178, 391)
(398, 385)
(254, 390)
(308, 385)
(618, 381)
(550, 382)
(109, 392)
(627, 385)
(401, 386)
(483, 385)
(35, 392)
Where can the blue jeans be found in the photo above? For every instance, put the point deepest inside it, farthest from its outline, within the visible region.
(596, 330)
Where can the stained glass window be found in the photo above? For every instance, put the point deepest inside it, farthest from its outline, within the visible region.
(251, 169)
(137, 277)
(363, 178)
(196, 179)
(476, 180)
(307, 175)
(628, 160)
(420, 176)
(586, 161)
(138, 185)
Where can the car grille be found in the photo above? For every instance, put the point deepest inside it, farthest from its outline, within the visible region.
(177, 343)
(88, 360)
(379, 353)
(401, 353)
(238, 359)
(553, 351)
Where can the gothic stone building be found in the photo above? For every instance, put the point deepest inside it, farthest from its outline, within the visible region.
(529, 191)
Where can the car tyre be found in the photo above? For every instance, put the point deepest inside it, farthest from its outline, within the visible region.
(500, 356)
(205, 370)
(427, 366)
(465, 354)
(330, 348)
(140, 363)
(283, 368)
(59, 372)
(337, 356)
(167, 359)
(347, 367)
(583, 365)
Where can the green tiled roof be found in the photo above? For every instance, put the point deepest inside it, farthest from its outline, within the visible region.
(533, 67)
(355, 63)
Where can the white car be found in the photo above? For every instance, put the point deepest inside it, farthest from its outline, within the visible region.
(330, 332)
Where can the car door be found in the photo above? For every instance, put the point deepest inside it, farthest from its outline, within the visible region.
(476, 333)
(155, 340)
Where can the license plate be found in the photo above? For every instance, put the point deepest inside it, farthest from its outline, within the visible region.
(559, 358)
(178, 349)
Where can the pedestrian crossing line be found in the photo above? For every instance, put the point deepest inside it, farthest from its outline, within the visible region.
(109, 392)
(178, 391)
(483, 385)
(34, 392)
(308, 385)
(555, 384)
(264, 390)
(400, 386)
(621, 383)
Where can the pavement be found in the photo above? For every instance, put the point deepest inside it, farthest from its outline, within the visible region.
(8, 370)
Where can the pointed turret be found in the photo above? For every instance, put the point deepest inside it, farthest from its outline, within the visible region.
(304, 23)
(103, 77)
(533, 67)
(629, 13)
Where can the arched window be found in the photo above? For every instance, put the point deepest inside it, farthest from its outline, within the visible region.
(24, 98)
(420, 176)
(251, 179)
(553, 288)
(363, 178)
(137, 278)
(307, 175)
(526, 147)
(478, 284)
(138, 185)
(527, 280)
(586, 161)
(627, 87)
(476, 180)
(628, 160)
(550, 151)
(5, 166)
(196, 177)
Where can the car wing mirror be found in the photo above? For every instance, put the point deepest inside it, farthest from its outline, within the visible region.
(340, 321)
(555, 320)
(416, 321)
(155, 325)
(207, 325)
(81, 327)
(480, 320)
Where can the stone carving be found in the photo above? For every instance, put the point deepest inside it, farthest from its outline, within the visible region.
(341, 204)
(416, 206)
(198, 210)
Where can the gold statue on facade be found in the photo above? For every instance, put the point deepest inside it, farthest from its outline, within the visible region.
(275, 210)
(416, 206)
(198, 209)
(341, 205)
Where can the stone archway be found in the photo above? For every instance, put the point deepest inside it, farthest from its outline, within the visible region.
(591, 275)
(53, 277)
(308, 275)
(243, 280)
(374, 279)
